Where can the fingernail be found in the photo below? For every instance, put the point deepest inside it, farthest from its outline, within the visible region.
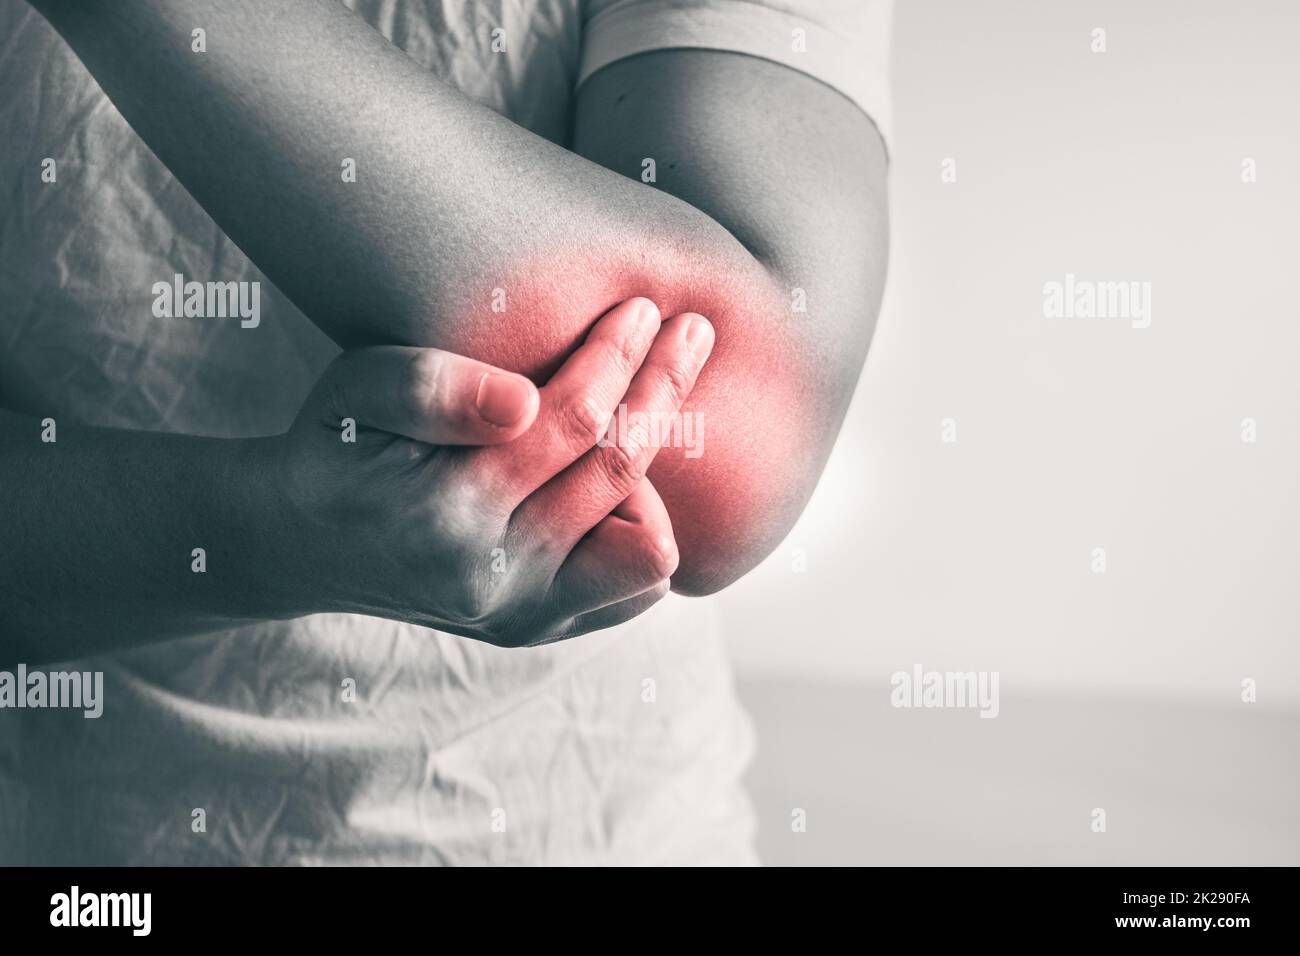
(502, 399)
(699, 337)
(647, 315)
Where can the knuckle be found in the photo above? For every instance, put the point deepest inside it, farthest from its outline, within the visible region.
(624, 353)
(581, 421)
(624, 464)
(675, 379)
(454, 534)
(467, 505)
(452, 517)
(419, 391)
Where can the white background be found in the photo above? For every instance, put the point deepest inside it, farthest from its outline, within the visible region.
(1072, 434)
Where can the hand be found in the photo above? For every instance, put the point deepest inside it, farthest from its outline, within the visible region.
(539, 536)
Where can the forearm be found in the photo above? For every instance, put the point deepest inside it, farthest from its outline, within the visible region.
(450, 200)
(466, 232)
(101, 530)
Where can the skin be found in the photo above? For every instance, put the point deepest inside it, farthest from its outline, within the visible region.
(404, 522)
(453, 201)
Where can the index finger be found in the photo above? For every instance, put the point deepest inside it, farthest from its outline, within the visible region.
(576, 403)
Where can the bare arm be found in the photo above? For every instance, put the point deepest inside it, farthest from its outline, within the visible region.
(113, 538)
(797, 174)
(453, 202)
(100, 532)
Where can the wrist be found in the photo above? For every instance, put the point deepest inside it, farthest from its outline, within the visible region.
(278, 581)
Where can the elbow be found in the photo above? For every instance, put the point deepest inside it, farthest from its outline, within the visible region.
(762, 431)
(722, 546)
(729, 518)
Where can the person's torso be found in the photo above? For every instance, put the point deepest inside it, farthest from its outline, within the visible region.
(332, 738)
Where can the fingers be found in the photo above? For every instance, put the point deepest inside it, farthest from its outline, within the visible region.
(613, 615)
(559, 513)
(629, 551)
(429, 395)
(576, 403)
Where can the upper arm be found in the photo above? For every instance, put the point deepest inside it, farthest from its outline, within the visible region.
(794, 174)
(468, 233)
(790, 167)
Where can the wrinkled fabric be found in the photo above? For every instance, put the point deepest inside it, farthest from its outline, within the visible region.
(621, 747)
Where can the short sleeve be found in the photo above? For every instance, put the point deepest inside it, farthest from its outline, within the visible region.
(842, 43)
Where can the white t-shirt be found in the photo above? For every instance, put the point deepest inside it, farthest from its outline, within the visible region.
(446, 738)
(843, 43)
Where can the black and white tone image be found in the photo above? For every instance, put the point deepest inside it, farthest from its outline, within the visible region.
(627, 433)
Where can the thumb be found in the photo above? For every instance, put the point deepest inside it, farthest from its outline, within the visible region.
(430, 395)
